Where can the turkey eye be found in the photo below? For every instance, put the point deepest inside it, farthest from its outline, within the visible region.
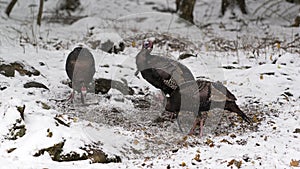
(146, 44)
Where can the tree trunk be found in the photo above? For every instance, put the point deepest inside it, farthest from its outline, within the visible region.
(242, 6)
(185, 9)
(10, 7)
(39, 17)
(70, 5)
(296, 21)
(232, 3)
(224, 6)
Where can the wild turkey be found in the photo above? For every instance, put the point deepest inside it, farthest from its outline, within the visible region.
(200, 96)
(80, 67)
(161, 72)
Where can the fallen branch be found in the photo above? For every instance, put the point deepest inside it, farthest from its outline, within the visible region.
(10, 7)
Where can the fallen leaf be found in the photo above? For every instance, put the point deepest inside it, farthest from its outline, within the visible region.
(209, 142)
(294, 163)
(197, 157)
(45, 106)
(232, 136)
(183, 164)
(230, 162)
(133, 44)
(135, 142)
(238, 164)
(226, 141)
(278, 45)
(50, 134)
(75, 119)
(147, 159)
(261, 76)
(184, 138)
(255, 119)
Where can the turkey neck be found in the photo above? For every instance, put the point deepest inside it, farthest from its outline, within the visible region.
(141, 59)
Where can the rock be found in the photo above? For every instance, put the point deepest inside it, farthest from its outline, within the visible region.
(98, 156)
(25, 70)
(3, 88)
(94, 44)
(42, 63)
(69, 5)
(35, 85)
(8, 70)
(288, 93)
(186, 55)
(18, 130)
(119, 48)
(11, 150)
(297, 130)
(4, 85)
(104, 85)
(54, 151)
(107, 46)
(21, 109)
(93, 154)
(110, 47)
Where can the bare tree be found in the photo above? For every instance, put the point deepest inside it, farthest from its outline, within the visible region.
(12, 4)
(185, 9)
(232, 4)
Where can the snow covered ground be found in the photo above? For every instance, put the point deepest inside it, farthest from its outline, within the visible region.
(264, 76)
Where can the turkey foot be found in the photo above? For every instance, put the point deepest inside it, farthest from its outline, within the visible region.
(198, 122)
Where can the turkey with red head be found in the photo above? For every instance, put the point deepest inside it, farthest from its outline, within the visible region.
(200, 96)
(161, 72)
(80, 68)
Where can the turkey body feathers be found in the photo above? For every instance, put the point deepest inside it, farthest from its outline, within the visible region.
(199, 96)
(80, 67)
(163, 73)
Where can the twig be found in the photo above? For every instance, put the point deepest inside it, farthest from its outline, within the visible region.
(263, 5)
(269, 8)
